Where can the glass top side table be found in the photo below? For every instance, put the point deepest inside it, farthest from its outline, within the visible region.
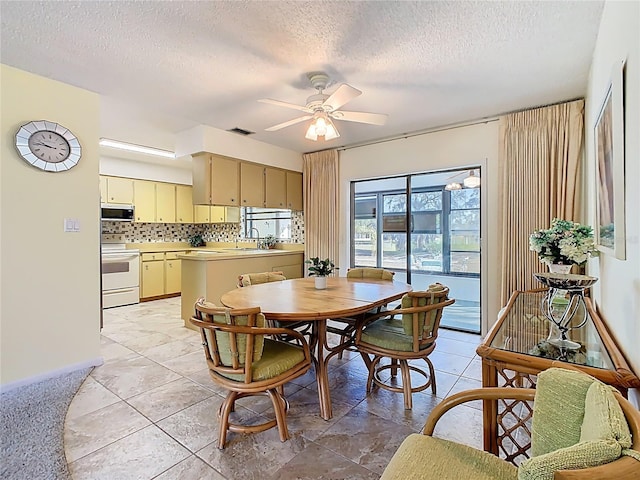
(516, 349)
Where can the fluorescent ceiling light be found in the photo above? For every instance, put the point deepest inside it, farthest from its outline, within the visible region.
(132, 147)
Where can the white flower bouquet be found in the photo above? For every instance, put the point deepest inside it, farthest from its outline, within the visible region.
(565, 243)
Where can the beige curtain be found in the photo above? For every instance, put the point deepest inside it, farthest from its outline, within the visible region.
(539, 159)
(321, 204)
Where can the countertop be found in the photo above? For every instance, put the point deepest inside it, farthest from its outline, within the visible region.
(161, 247)
(207, 254)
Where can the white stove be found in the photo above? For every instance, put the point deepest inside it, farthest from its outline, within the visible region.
(120, 272)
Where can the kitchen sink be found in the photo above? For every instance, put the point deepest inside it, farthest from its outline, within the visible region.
(244, 249)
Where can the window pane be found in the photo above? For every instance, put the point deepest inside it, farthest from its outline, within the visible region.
(365, 207)
(426, 252)
(395, 203)
(464, 220)
(466, 198)
(268, 221)
(365, 243)
(468, 262)
(424, 201)
(465, 242)
(427, 222)
(394, 250)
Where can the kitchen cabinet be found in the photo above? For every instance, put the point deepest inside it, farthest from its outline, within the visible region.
(252, 184)
(184, 204)
(216, 180)
(172, 273)
(165, 194)
(144, 200)
(116, 190)
(216, 214)
(152, 275)
(275, 188)
(294, 190)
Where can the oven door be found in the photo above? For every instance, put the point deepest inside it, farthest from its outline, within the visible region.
(120, 270)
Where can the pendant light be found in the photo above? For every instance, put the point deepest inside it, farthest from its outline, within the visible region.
(471, 181)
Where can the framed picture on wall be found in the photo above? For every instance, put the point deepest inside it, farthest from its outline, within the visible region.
(610, 178)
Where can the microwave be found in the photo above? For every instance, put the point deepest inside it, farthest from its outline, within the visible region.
(114, 212)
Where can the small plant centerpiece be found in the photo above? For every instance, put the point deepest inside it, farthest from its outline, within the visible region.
(321, 269)
(565, 243)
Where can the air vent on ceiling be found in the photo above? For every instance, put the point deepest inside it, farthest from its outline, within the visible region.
(240, 131)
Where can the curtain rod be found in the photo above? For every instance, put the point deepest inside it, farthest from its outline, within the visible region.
(493, 118)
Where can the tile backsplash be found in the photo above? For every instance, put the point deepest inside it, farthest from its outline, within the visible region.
(178, 232)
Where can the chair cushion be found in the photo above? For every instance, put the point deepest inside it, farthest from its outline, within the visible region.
(257, 278)
(224, 340)
(558, 409)
(370, 273)
(277, 358)
(390, 334)
(421, 457)
(407, 302)
(582, 455)
(603, 417)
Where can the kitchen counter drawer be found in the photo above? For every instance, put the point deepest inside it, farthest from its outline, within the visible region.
(147, 257)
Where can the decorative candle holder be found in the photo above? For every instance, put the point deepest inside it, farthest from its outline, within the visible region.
(564, 313)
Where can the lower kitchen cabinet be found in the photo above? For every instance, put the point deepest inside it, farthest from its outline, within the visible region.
(160, 274)
(172, 273)
(152, 278)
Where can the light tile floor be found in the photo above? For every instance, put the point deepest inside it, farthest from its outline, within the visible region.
(150, 411)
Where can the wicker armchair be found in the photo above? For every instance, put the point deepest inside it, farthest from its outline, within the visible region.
(411, 338)
(246, 363)
(581, 430)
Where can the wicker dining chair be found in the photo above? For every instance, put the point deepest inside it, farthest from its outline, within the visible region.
(580, 429)
(411, 337)
(242, 360)
(248, 279)
(348, 324)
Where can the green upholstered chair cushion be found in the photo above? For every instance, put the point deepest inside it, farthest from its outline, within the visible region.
(421, 457)
(257, 278)
(603, 417)
(558, 409)
(390, 334)
(224, 340)
(277, 357)
(407, 302)
(379, 273)
(582, 455)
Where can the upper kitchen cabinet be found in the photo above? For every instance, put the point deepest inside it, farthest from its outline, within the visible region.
(216, 180)
(184, 204)
(144, 200)
(165, 203)
(294, 190)
(275, 188)
(251, 184)
(116, 190)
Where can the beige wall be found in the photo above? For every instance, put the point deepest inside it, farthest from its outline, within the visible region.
(474, 145)
(618, 291)
(50, 280)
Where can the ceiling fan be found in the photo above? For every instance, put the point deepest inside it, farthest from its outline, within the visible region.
(471, 181)
(323, 108)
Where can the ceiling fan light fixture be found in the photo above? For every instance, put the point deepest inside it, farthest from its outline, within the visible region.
(321, 126)
(332, 131)
(471, 181)
(311, 132)
(453, 186)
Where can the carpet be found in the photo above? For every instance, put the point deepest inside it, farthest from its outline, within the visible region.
(31, 428)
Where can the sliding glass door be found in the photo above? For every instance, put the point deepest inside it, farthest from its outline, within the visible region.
(433, 238)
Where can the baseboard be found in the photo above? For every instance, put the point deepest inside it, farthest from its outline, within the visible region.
(94, 362)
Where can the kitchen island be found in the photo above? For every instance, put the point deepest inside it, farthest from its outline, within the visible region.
(211, 273)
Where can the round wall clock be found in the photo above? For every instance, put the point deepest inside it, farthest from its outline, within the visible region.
(48, 146)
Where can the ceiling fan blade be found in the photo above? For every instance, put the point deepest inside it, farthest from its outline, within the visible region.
(345, 93)
(362, 117)
(284, 104)
(289, 123)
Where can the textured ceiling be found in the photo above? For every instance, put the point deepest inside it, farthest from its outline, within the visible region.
(425, 64)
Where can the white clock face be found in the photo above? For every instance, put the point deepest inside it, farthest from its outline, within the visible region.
(48, 146)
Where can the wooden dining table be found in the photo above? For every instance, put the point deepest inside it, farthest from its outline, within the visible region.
(298, 300)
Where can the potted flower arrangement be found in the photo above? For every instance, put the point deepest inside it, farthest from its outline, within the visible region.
(565, 243)
(321, 269)
(268, 242)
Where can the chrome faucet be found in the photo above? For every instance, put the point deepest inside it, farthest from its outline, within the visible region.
(258, 232)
